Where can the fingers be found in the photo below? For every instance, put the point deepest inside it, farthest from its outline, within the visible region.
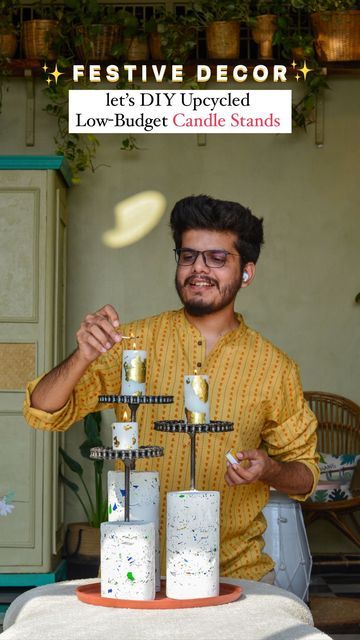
(97, 333)
(236, 474)
(109, 312)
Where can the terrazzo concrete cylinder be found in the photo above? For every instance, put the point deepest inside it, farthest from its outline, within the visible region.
(192, 544)
(133, 372)
(128, 560)
(144, 503)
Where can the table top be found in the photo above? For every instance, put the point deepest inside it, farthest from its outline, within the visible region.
(264, 612)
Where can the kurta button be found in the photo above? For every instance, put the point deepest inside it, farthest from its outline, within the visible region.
(198, 364)
(200, 343)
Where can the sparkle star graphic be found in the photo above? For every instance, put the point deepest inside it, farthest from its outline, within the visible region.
(48, 80)
(305, 69)
(293, 64)
(56, 73)
(297, 77)
(45, 67)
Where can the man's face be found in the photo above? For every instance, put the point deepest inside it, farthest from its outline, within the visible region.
(202, 289)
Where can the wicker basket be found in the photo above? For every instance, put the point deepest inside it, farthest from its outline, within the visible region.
(37, 37)
(8, 45)
(97, 41)
(82, 540)
(263, 34)
(136, 48)
(223, 40)
(337, 35)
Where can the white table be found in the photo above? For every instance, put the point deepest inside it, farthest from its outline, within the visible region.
(264, 612)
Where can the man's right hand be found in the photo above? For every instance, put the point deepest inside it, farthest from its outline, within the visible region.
(97, 333)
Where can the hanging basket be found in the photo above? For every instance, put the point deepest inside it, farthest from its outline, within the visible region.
(97, 41)
(263, 33)
(223, 40)
(8, 45)
(37, 39)
(136, 48)
(337, 35)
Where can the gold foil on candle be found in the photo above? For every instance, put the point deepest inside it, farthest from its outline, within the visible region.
(195, 417)
(201, 388)
(135, 370)
(116, 441)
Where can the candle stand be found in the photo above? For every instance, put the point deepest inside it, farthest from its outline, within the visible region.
(135, 401)
(180, 426)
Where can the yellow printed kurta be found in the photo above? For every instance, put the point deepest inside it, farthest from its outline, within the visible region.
(252, 383)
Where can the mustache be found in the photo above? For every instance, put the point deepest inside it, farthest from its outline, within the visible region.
(206, 279)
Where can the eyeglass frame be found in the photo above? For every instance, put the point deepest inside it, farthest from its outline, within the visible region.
(202, 253)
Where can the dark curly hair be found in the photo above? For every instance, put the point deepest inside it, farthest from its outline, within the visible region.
(204, 212)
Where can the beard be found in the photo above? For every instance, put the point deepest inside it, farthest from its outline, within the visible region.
(199, 307)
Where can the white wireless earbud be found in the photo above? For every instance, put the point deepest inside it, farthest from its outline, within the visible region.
(245, 276)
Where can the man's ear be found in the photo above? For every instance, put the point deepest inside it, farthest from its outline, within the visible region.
(248, 274)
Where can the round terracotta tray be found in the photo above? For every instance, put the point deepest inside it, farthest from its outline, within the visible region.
(90, 593)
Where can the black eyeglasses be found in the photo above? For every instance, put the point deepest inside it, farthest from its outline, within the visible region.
(213, 258)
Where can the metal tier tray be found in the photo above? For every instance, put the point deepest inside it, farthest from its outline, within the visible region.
(180, 426)
(120, 399)
(107, 453)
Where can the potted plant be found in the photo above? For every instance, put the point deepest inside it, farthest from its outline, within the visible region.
(221, 19)
(172, 37)
(8, 39)
(265, 18)
(135, 44)
(336, 27)
(83, 538)
(90, 30)
(40, 35)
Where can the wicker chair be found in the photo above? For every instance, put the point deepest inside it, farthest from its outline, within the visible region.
(338, 432)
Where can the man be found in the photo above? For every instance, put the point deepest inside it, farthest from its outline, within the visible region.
(252, 383)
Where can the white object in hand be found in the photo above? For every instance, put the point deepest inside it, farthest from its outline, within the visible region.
(125, 435)
(128, 560)
(133, 373)
(144, 503)
(192, 549)
(196, 395)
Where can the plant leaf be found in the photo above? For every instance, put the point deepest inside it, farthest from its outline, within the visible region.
(72, 485)
(71, 463)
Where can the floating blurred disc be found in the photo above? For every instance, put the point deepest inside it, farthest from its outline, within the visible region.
(134, 218)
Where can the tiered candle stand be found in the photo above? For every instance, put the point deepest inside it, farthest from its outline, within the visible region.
(180, 426)
(127, 456)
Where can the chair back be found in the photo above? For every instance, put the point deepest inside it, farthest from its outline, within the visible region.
(339, 422)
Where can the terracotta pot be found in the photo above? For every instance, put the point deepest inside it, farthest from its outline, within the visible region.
(37, 37)
(136, 48)
(8, 45)
(82, 540)
(263, 34)
(97, 41)
(223, 40)
(337, 35)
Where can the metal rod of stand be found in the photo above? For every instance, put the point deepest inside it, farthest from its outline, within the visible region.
(127, 491)
(193, 466)
(133, 410)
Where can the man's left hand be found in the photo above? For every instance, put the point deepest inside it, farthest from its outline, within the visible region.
(258, 466)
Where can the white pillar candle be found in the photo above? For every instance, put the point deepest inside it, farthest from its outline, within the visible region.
(128, 560)
(196, 394)
(144, 503)
(124, 435)
(133, 372)
(192, 544)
